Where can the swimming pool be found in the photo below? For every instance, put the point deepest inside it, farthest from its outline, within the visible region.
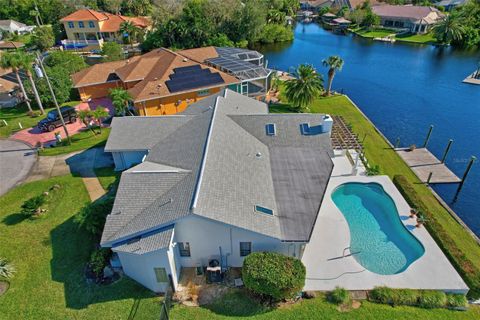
(378, 239)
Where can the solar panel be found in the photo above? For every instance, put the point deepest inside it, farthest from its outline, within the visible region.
(270, 129)
(187, 69)
(195, 80)
(264, 210)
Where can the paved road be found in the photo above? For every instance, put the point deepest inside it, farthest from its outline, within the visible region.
(16, 160)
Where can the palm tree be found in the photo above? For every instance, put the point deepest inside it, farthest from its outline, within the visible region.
(98, 114)
(25, 62)
(333, 63)
(448, 29)
(10, 60)
(130, 30)
(120, 98)
(302, 90)
(7, 270)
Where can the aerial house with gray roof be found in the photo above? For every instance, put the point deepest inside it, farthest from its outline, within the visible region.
(221, 180)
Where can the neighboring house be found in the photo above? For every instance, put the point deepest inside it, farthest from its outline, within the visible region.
(315, 5)
(11, 45)
(352, 4)
(8, 89)
(164, 82)
(12, 26)
(88, 28)
(219, 181)
(450, 4)
(415, 19)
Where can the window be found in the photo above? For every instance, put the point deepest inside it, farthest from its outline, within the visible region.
(184, 249)
(245, 248)
(70, 24)
(91, 24)
(161, 274)
(264, 210)
(81, 25)
(203, 93)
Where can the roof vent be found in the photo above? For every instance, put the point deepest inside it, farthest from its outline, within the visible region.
(270, 129)
(258, 155)
(185, 59)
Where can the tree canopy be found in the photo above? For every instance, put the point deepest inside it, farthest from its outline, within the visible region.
(304, 88)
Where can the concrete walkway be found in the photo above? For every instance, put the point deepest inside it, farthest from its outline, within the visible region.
(80, 163)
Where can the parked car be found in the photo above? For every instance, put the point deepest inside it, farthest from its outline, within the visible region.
(53, 121)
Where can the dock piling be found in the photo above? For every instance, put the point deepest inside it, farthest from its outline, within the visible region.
(429, 177)
(465, 174)
(428, 136)
(447, 150)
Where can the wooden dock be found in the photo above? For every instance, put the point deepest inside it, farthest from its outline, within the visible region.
(471, 79)
(422, 162)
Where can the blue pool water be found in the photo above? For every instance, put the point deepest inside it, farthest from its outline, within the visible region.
(378, 239)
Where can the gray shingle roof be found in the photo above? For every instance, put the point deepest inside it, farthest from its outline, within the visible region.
(220, 164)
(149, 243)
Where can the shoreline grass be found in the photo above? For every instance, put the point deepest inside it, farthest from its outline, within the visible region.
(460, 247)
(427, 38)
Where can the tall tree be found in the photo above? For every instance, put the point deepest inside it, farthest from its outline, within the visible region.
(25, 62)
(98, 114)
(11, 60)
(333, 63)
(448, 29)
(304, 88)
(129, 30)
(120, 99)
(112, 51)
(43, 38)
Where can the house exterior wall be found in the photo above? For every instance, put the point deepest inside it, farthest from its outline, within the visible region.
(97, 90)
(141, 268)
(126, 159)
(207, 236)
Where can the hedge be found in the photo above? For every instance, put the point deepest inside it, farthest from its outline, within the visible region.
(273, 275)
(422, 298)
(469, 272)
(339, 296)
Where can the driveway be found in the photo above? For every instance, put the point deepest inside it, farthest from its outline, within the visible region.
(16, 160)
(34, 135)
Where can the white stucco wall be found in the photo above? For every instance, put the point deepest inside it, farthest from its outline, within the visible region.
(140, 268)
(126, 159)
(206, 236)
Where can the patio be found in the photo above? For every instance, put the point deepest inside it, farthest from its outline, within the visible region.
(328, 266)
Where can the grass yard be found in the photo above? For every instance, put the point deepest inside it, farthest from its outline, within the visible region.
(379, 152)
(18, 114)
(380, 33)
(50, 253)
(108, 177)
(374, 33)
(417, 38)
(237, 305)
(80, 141)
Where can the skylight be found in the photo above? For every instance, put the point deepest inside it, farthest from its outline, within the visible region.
(270, 129)
(264, 210)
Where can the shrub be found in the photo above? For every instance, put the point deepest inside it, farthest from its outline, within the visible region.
(99, 260)
(456, 300)
(339, 296)
(382, 295)
(92, 217)
(432, 299)
(273, 275)
(7, 270)
(407, 297)
(31, 206)
(373, 170)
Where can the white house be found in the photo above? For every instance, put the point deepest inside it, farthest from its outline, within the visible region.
(12, 26)
(221, 180)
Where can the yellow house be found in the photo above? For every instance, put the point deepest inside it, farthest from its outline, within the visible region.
(88, 28)
(160, 82)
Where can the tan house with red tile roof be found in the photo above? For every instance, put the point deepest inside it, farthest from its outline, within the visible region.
(90, 28)
(160, 82)
(165, 82)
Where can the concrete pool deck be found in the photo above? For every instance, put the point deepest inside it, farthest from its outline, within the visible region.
(329, 264)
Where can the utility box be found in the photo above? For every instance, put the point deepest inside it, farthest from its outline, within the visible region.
(327, 124)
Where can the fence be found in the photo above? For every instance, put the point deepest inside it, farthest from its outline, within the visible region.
(167, 303)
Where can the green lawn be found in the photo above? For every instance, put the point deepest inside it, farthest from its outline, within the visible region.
(19, 114)
(380, 33)
(417, 38)
(50, 253)
(80, 141)
(379, 152)
(374, 33)
(108, 177)
(237, 305)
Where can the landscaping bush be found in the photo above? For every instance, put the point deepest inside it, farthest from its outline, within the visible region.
(407, 297)
(383, 295)
(273, 275)
(92, 217)
(469, 272)
(456, 300)
(339, 296)
(99, 260)
(432, 299)
(31, 206)
(7, 270)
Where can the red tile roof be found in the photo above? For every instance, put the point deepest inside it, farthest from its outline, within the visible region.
(110, 22)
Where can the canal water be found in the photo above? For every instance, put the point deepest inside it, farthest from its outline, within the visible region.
(403, 89)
